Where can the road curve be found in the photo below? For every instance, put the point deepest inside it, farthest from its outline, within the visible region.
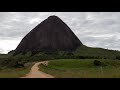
(36, 73)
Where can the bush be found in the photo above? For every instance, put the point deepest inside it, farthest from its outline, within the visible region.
(97, 63)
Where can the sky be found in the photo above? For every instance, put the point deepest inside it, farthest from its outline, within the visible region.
(94, 29)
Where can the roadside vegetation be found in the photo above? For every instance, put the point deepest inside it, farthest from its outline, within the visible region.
(14, 72)
(11, 62)
(82, 68)
(84, 52)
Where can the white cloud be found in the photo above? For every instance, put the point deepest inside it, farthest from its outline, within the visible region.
(8, 45)
(34, 20)
(97, 29)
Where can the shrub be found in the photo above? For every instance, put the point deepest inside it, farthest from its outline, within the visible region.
(97, 63)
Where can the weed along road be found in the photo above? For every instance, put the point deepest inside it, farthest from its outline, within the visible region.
(36, 73)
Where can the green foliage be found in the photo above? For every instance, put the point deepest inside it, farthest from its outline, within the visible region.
(82, 68)
(96, 53)
(83, 52)
(14, 72)
(97, 63)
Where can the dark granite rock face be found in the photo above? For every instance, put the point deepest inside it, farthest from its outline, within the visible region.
(50, 35)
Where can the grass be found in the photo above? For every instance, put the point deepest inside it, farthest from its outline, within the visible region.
(14, 72)
(79, 68)
(88, 52)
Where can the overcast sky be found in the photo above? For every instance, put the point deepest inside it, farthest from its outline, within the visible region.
(94, 29)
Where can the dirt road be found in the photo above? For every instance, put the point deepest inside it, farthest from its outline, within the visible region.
(36, 73)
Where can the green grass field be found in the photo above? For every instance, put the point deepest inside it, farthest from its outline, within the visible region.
(82, 68)
(14, 72)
